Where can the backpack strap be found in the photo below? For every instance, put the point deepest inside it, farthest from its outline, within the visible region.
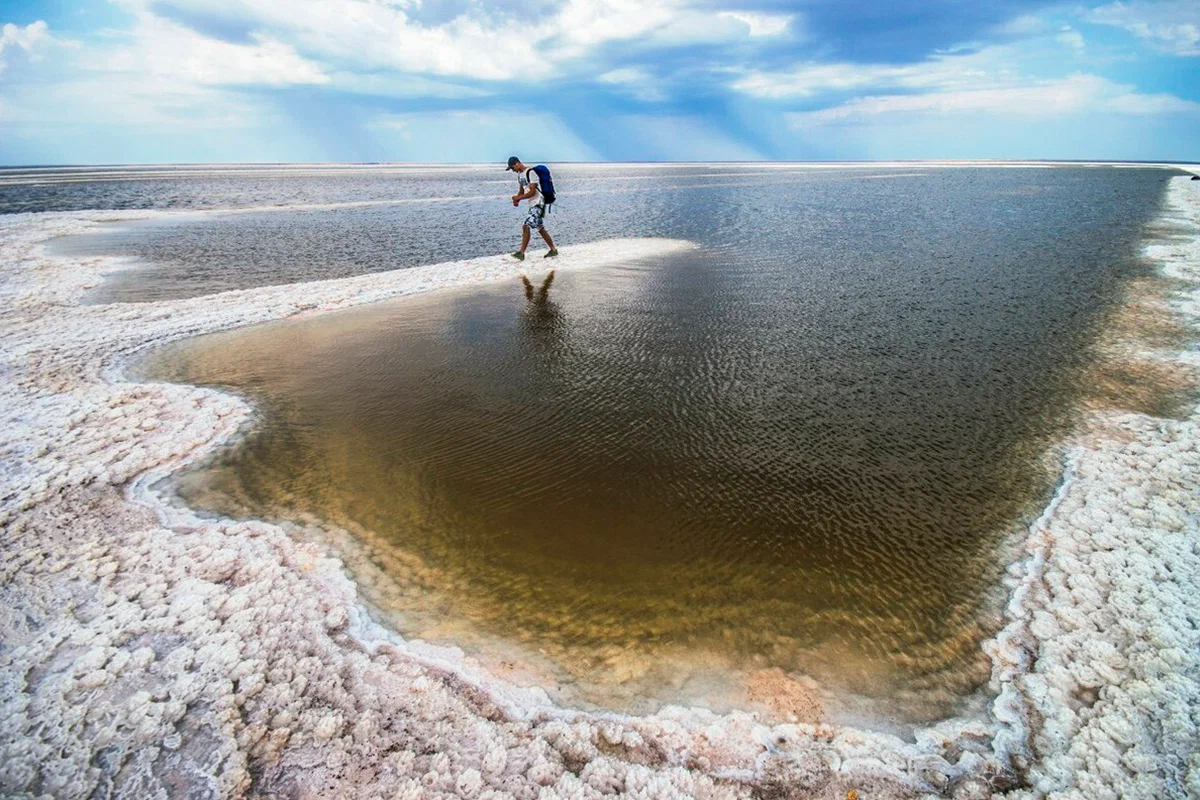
(539, 184)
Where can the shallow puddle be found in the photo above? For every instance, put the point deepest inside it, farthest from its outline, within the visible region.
(714, 478)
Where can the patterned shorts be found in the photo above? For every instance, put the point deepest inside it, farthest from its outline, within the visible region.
(535, 217)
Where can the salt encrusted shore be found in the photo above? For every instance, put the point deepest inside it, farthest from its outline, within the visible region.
(147, 653)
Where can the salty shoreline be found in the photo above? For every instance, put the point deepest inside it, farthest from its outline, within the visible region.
(144, 647)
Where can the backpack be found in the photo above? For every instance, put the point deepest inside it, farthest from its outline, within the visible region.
(545, 182)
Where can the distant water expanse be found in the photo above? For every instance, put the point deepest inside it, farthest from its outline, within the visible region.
(800, 450)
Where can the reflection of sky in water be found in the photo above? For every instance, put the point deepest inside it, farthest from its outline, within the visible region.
(799, 447)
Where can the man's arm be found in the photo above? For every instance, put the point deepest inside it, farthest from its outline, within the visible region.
(525, 195)
(532, 188)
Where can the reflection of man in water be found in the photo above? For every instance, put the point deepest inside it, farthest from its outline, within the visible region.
(542, 317)
(542, 292)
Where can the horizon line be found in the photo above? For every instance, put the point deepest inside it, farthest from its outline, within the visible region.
(1095, 161)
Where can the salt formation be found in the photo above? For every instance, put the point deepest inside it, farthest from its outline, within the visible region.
(148, 653)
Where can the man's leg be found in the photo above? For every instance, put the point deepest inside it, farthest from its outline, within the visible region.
(524, 238)
(546, 235)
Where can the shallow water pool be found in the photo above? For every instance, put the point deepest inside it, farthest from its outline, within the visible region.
(794, 458)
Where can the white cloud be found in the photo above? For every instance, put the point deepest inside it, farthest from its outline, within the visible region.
(1131, 102)
(362, 35)
(167, 50)
(1071, 95)
(1071, 38)
(625, 75)
(1024, 25)
(1172, 27)
(180, 63)
(634, 81)
(987, 80)
(997, 82)
(25, 38)
(582, 25)
(154, 103)
(939, 71)
(158, 75)
(481, 43)
(761, 24)
(28, 39)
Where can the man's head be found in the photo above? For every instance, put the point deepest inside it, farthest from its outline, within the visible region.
(515, 164)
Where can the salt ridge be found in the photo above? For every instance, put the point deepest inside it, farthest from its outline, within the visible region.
(144, 650)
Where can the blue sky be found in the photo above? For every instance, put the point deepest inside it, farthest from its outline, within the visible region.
(136, 81)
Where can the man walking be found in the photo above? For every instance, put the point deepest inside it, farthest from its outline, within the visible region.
(531, 191)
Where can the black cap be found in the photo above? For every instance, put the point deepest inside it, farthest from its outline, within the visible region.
(511, 161)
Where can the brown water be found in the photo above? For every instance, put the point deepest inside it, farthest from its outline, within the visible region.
(710, 478)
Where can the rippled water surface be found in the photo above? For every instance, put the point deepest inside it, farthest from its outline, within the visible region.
(796, 453)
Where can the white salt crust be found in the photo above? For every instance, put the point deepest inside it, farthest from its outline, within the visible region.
(147, 653)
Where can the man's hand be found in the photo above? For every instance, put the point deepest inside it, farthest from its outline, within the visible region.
(516, 200)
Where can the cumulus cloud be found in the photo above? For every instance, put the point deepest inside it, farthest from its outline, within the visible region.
(27, 39)
(481, 43)
(1171, 27)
